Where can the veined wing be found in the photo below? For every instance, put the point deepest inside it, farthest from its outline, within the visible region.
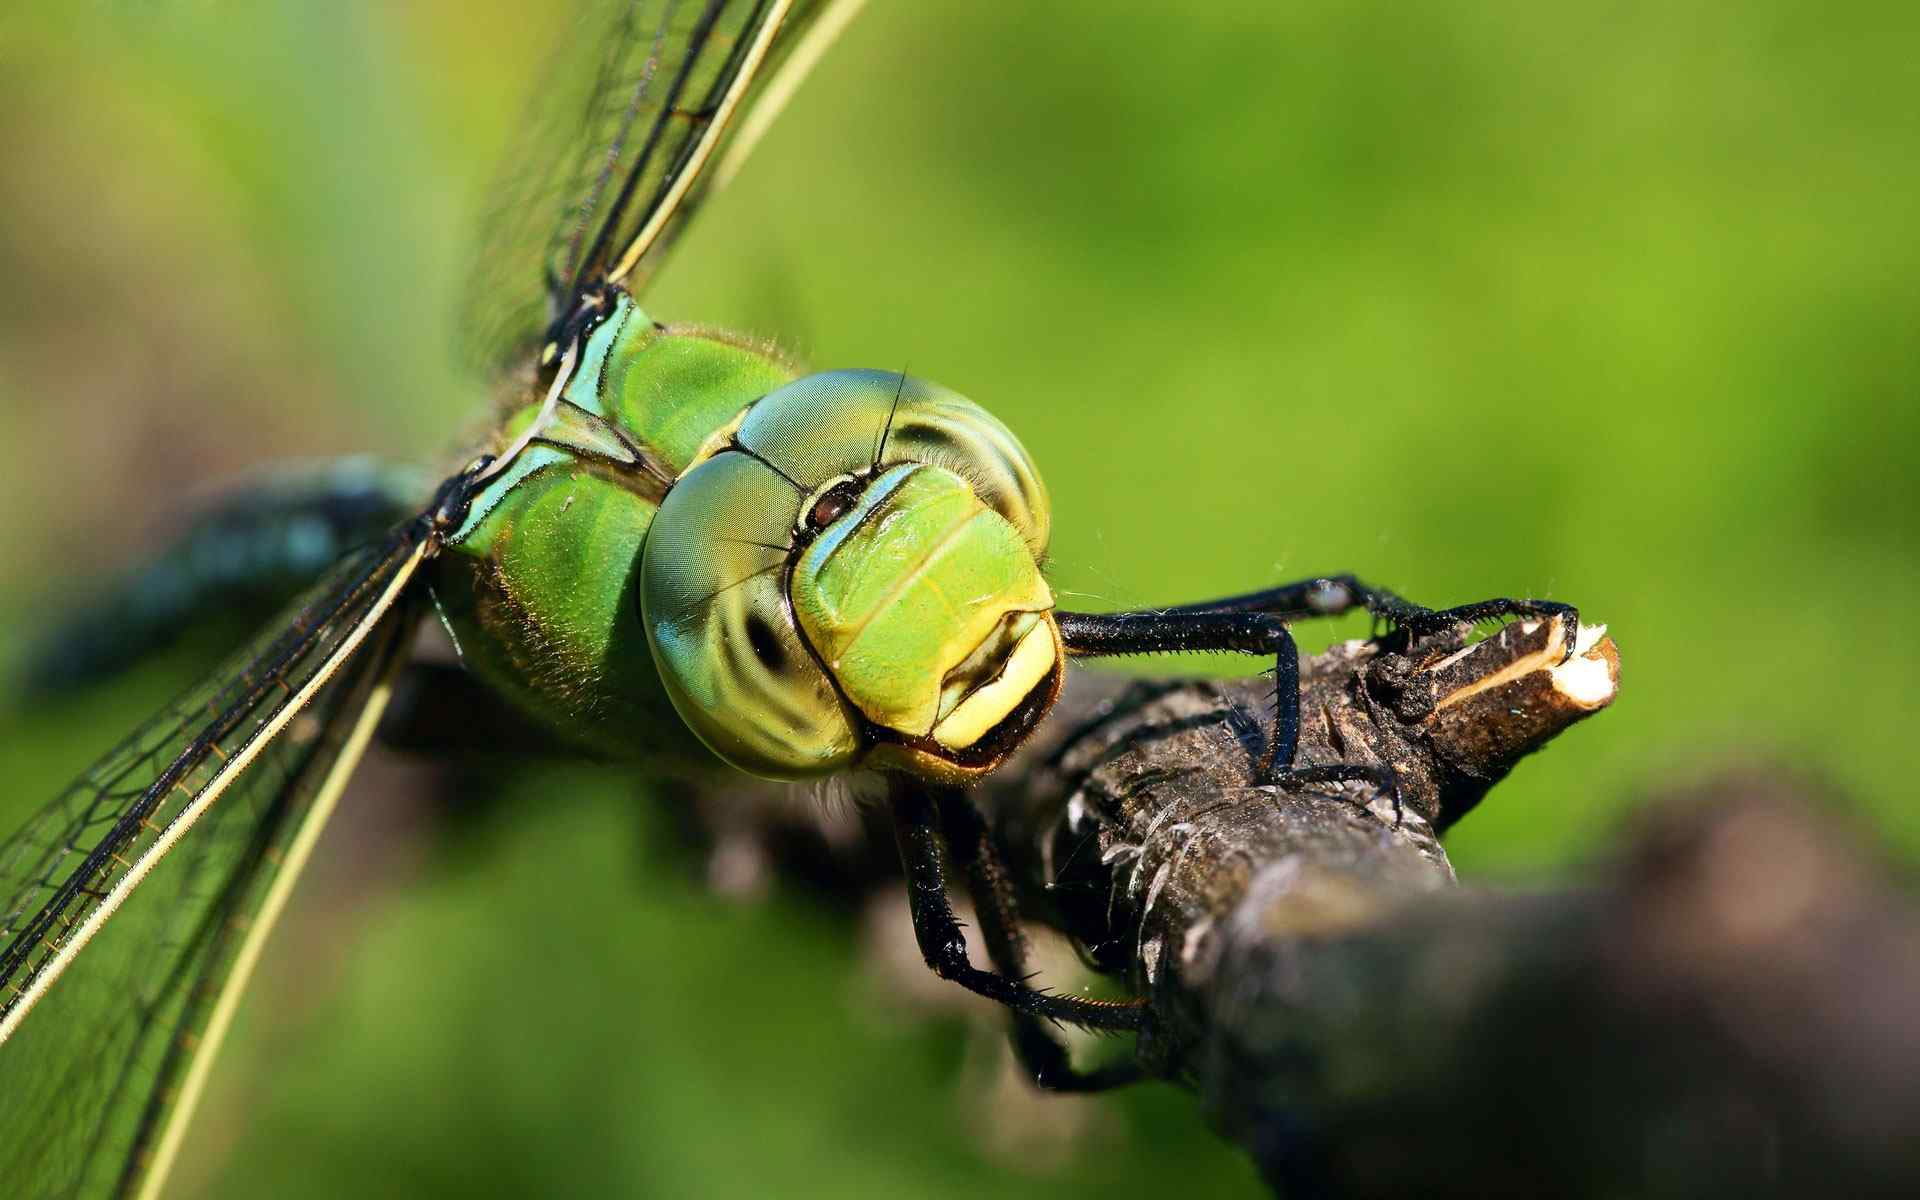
(635, 107)
(174, 835)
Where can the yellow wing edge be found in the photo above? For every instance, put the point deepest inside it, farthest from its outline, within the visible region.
(703, 149)
(229, 771)
(166, 1150)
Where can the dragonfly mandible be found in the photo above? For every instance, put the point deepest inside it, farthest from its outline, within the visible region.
(679, 546)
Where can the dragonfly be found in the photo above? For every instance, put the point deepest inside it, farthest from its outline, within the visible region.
(678, 546)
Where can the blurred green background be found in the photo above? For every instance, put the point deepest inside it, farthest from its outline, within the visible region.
(1607, 303)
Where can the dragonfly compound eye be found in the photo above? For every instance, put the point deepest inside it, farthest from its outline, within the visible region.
(840, 423)
(856, 577)
(713, 596)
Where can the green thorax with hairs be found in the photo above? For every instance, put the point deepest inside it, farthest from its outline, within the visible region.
(705, 553)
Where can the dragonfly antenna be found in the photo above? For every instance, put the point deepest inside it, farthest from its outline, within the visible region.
(886, 431)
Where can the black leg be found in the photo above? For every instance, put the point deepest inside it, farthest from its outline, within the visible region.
(1332, 595)
(1322, 596)
(1045, 1057)
(1255, 623)
(1248, 632)
(916, 822)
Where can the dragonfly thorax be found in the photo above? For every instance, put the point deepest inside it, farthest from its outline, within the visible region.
(850, 575)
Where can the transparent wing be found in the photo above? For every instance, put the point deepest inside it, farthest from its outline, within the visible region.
(636, 103)
(174, 835)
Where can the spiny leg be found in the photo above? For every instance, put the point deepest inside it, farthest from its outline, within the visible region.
(1098, 635)
(1333, 595)
(916, 823)
(1045, 1057)
(1260, 628)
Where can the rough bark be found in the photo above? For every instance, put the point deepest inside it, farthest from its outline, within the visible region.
(1731, 1007)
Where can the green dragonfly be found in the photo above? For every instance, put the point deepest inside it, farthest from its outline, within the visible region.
(678, 547)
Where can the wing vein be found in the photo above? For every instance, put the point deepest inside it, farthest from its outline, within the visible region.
(54, 967)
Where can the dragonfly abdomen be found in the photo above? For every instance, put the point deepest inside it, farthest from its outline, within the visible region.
(254, 547)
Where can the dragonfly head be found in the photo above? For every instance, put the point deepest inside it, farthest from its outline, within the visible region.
(851, 576)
